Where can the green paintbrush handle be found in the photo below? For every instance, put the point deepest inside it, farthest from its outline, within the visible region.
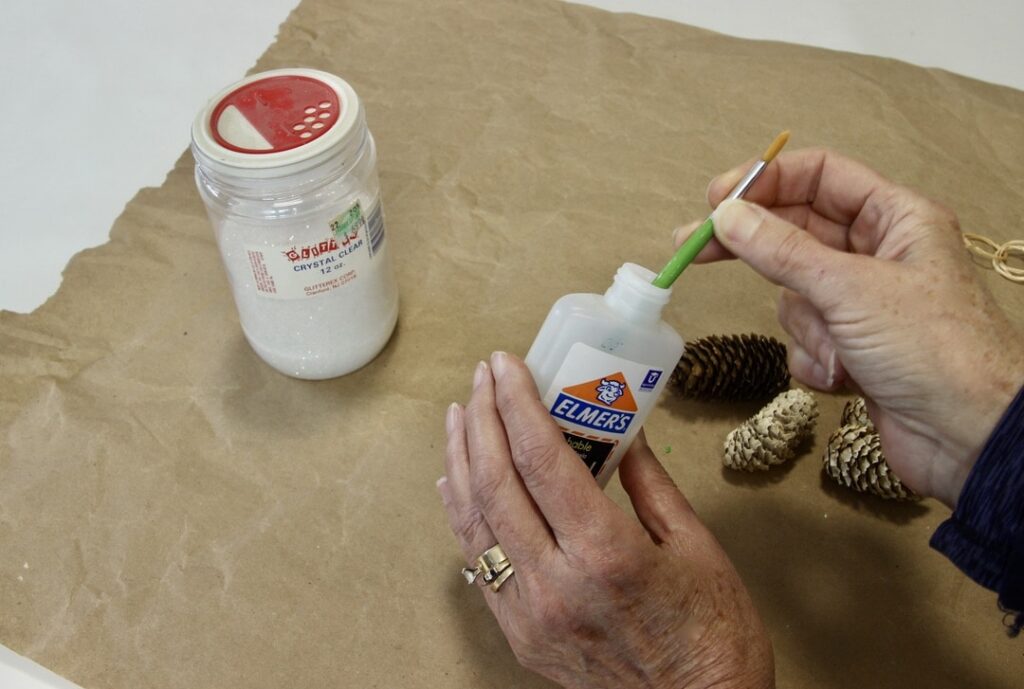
(685, 255)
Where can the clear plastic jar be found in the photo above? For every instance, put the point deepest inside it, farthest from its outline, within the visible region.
(287, 169)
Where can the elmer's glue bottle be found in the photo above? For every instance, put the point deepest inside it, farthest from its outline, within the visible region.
(601, 362)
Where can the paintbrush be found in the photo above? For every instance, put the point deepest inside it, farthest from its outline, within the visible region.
(698, 240)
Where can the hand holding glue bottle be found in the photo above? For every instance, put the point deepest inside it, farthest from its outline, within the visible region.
(602, 361)
(594, 596)
(583, 584)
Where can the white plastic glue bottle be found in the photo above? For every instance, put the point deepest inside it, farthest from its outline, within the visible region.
(601, 362)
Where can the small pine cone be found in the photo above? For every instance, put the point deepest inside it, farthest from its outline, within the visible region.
(855, 413)
(732, 367)
(854, 459)
(772, 435)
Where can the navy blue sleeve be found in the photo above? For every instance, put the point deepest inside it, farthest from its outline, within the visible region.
(985, 535)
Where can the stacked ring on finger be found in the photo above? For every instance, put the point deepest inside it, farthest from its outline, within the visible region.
(492, 568)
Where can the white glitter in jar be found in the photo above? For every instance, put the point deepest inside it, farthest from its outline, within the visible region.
(318, 336)
(299, 221)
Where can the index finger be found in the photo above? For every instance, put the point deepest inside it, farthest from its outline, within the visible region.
(495, 484)
(559, 482)
(833, 186)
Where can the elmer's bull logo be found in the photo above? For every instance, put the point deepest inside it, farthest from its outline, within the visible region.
(609, 391)
(604, 404)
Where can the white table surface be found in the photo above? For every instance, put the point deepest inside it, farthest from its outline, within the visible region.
(99, 97)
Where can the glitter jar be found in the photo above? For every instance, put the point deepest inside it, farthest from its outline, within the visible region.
(287, 169)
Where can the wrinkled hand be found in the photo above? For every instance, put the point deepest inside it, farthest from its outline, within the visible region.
(880, 294)
(597, 599)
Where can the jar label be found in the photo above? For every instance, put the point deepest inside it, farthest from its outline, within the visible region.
(348, 248)
(598, 399)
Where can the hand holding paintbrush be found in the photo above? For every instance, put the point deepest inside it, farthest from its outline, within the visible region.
(699, 239)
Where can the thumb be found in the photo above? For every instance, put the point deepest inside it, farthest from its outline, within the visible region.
(781, 251)
(658, 503)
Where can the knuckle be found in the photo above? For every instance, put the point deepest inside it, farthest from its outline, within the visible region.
(476, 406)
(575, 618)
(471, 521)
(818, 158)
(601, 527)
(552, 614)
(611, 569)
(487, 485)
(790, 253)
(508, 395)
(535, 455)
(946, 216)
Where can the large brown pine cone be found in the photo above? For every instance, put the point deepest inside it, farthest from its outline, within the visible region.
(732, 367)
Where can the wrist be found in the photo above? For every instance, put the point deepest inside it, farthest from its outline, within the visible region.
(994, 389)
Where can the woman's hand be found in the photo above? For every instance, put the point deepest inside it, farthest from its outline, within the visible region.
(879, 294)
(597, 599)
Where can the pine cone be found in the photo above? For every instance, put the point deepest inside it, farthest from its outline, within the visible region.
(772, 435)
(732, 367)
(854, 459)
(855, 413)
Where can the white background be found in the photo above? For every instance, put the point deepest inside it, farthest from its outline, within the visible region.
(99, 97)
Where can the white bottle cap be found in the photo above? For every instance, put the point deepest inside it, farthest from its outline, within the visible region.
(277, 123)
(633, 295)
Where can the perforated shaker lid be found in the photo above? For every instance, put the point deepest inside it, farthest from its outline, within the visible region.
(277, 123)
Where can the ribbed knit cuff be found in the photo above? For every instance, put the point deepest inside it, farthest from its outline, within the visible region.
(985, 535)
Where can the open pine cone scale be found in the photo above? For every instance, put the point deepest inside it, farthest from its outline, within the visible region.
(732, 367)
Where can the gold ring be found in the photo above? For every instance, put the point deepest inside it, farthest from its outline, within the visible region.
(492, 567)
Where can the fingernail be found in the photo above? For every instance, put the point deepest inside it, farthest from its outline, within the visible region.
(736, 220)
(820, 375)
(478, 375)
(442, 488)
(499, 360)
(449, 418)
(832, 361)
(725, 181)
(680, 234)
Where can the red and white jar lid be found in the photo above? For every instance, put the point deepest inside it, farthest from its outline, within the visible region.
(277, 123)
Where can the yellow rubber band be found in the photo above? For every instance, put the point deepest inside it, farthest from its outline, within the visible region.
(1000, 254)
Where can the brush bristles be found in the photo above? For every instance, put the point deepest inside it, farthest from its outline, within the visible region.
(776, 146)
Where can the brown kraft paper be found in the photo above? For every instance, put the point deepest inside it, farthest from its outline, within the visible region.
(175, 514)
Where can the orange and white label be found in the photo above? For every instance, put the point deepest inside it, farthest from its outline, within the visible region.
(599, 400)
(603, 404)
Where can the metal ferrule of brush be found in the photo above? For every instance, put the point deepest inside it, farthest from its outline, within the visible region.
(748, 181)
